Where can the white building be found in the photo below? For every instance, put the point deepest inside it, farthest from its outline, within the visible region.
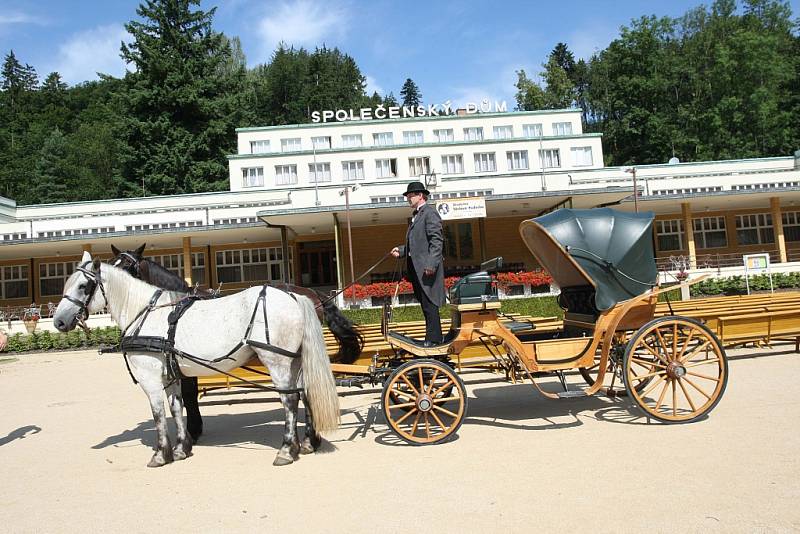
(293, 178)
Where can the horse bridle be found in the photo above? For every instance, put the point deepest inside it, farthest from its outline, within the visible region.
(134, 263)
(93, 281)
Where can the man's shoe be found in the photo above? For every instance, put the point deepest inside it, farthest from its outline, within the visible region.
(428, 344)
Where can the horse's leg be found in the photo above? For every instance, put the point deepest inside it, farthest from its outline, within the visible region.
(285, 373)
(312, 439)
(154, 389)
(183, 447)
(189, 394)
(290, 448)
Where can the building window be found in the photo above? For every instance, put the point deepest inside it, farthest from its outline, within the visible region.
(15, 236)
(709, 232)
(754, 229)
(485, 162)
(253, 177)
(444, 135)
(517, 160)
(53, 276)
(581, 156)
(532, 130)
(322, 142)
(174, 264)
(319, 173)
(352, 170)
(562, 128)
(473, 134)
(285, 174)
(386, 168)
(259, 147)
(14, 282)
(550, 158)
(290, 145)
(670, 234)
(251, 265)
(351, 141)
(383, 139)
(413, 137)
(503, 132)
(419, 166)
(458, 241)
(453, 164)
(791, 225)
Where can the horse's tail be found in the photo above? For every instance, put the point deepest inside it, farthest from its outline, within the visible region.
(350, 340)
(319, 385)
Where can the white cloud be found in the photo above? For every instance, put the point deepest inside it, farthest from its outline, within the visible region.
(89, 52)
(584, 43)
(301, 23)
(372, 86)
(16, 18)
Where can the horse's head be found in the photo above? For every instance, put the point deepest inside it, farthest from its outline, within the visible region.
(129, 260)
(81, 295)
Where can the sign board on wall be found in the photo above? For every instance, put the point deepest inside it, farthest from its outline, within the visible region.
(461, 208)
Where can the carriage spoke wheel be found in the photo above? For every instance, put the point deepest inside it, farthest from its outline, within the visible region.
(424, 402)
(683, 365)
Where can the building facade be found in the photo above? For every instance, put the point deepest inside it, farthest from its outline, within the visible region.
(294, 188)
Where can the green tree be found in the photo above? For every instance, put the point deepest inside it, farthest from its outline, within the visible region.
(180, 106)
(559, 89)
(53, 172)
(530, 95)
(390, 100)
(410, 93)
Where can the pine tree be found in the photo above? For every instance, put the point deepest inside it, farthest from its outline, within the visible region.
(180, 105)
(52, 170)
(390, 100)
(410, 94)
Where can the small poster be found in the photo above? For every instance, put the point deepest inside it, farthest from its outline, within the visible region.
(461, 208)
(756, 263)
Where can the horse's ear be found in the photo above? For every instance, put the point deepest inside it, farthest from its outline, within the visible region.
(115, 250)
(87, 257)
(139, 251)
(96, 265)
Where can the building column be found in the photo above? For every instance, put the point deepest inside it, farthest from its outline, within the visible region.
(339, 252)
(86, 247)
(777, 225)
(482, 235)
(187, 260)
(688, 233)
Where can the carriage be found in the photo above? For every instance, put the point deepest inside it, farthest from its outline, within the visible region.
(673, 368)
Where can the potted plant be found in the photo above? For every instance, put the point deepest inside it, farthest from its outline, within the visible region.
(31, 318)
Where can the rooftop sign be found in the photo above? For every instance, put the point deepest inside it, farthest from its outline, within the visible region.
(404, 112)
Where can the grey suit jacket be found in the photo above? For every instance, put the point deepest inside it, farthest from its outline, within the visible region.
(424, 244)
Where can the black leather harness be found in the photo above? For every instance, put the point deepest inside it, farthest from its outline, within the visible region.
(134, 342)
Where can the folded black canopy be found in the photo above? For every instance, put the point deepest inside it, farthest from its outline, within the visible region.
(611, 250)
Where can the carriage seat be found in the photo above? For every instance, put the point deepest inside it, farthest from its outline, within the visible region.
(474, 288)
(579, 300)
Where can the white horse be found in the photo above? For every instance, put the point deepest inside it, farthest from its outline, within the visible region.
(282, 330)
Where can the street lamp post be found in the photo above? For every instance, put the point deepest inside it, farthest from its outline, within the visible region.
(346, 193)
(632, 170)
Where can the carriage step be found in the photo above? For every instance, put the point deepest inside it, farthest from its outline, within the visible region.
(571, 394)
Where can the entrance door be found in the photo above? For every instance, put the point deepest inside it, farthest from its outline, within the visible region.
(318, 263)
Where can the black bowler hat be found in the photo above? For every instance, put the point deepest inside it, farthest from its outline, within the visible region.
(416, 187)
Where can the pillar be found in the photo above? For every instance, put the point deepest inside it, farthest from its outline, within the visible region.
(688, 233)
(777, 225)
(187, 260)
(338, 244)
(86, 247)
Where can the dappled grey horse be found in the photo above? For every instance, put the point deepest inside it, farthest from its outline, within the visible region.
(211, 336)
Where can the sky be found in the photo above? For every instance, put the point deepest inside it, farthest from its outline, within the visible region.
(455, 50)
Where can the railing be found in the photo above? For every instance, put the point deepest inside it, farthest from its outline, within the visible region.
(714, 261)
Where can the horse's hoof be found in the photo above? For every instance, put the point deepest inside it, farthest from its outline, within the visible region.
(158, 461)
(306, 448)
(181, 453)
(282, 460)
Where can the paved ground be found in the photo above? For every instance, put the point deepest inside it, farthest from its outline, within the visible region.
(75, 435)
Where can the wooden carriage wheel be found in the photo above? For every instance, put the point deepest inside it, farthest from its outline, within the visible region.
(424, 402)
(684, 365)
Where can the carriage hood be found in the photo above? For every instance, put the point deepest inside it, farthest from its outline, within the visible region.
(607, 249)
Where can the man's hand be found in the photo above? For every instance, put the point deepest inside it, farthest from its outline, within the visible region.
(396, 252)
(428, 272)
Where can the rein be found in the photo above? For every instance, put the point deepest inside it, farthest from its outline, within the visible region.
(322, 302)
(93, 281)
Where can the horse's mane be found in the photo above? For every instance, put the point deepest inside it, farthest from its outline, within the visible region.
(160, 276)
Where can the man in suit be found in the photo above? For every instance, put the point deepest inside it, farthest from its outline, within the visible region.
(423, 253)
